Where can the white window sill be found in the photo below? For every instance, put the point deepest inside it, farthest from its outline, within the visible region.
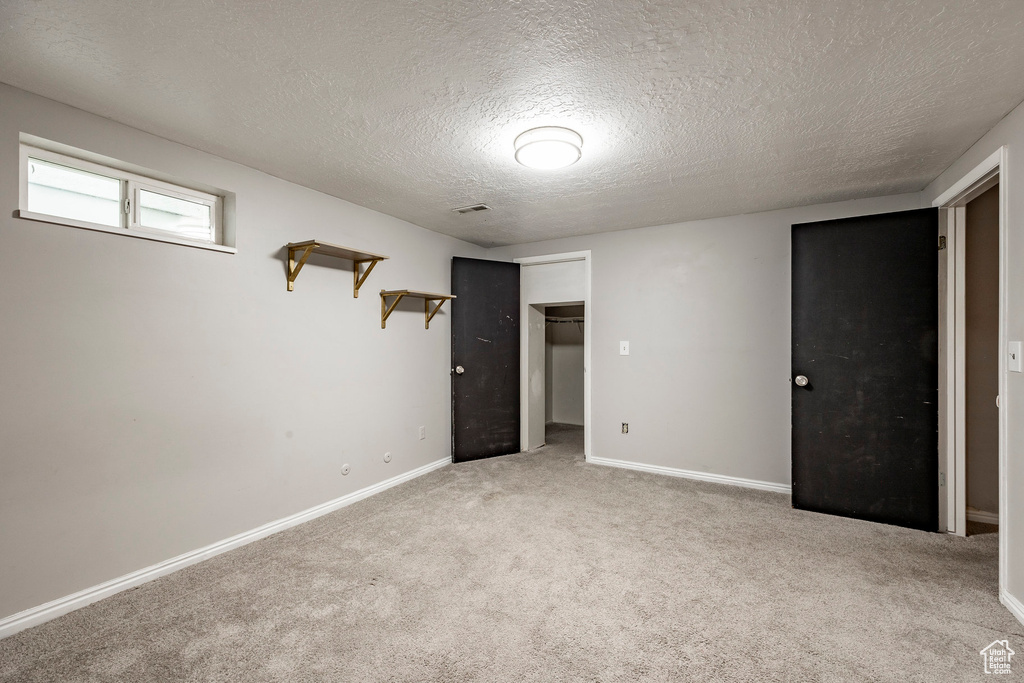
(85, 225)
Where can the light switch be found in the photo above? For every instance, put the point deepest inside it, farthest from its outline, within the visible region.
(1014, 360)
(623, 348)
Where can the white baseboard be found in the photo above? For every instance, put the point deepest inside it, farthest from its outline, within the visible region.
(982, 516)
(55, 608)
(690, 474)
(1013, 604)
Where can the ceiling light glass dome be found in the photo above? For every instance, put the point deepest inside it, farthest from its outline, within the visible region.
(548, 148)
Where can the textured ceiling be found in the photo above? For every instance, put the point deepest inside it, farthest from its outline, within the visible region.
(687, 109)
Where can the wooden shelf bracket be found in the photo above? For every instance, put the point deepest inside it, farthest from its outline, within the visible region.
(357, 279)
(428, 311)
(431, 313)
(293, 267)
(358, 258)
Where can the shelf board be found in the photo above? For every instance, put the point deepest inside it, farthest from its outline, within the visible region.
(415, 294)
(338, 251)
(357, 256)
(399, 294)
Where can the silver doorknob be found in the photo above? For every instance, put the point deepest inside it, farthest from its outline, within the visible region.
(800, 381)
(459, 369)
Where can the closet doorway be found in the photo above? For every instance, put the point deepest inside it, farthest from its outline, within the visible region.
(551, 283)
(564, 330)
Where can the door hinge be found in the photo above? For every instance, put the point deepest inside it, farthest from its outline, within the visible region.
(942, 478)
(942, 242)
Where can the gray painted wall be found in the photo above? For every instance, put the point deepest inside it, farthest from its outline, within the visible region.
(705, 307)
(982, 352)
(158, 398)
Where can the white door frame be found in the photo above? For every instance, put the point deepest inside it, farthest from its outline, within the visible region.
(952, 444)
(524, 346)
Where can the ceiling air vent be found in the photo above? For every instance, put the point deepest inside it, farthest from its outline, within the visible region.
(472, 209)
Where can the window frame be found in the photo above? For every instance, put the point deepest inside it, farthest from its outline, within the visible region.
(134, 189)
(130, 186)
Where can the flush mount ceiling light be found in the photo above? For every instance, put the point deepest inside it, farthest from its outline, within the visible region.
(548, 148)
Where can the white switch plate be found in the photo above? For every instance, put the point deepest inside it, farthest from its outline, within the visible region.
(623, 348)
(1014, 359)
(423, 432)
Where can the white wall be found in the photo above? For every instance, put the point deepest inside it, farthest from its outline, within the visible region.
(1009, 132)
(564, 373)
(157, 398)
(705, 307)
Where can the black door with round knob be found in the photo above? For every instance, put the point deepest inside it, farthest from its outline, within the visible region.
(865, 322)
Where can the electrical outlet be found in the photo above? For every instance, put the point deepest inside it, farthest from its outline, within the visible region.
(345, 469)
(387, 457)
(625, 428)
(623, 348)
(423, 432)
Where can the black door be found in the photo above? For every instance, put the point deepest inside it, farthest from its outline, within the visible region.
(865, 337)
(485, 359)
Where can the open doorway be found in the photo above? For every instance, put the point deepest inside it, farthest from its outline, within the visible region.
(564, 327)
(547, 283)
(981, 361)
(974, 351)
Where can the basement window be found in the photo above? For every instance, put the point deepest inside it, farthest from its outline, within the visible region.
(67, 189)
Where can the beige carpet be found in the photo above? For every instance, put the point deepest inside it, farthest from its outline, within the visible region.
(539, 567)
